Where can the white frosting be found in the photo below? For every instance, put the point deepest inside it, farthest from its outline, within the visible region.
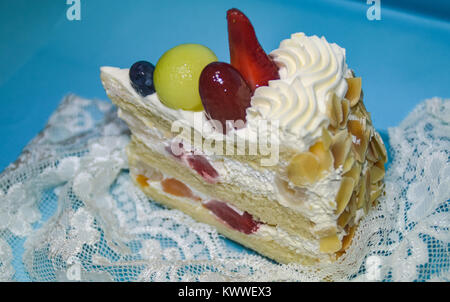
(311, 70)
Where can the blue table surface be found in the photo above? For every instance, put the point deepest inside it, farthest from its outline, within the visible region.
(403, 58)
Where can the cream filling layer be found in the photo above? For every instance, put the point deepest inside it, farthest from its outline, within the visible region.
(315, 202)
(295, 243)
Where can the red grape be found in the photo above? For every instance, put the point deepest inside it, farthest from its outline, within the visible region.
(225, 94)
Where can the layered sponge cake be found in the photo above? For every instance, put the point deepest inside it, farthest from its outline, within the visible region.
(277, 152)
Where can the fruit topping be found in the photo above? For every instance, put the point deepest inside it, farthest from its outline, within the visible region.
(246, 53)
(203, 167)
(177, 76)
(141, 77)
(177, 188)
(225, 94)
(242, 222)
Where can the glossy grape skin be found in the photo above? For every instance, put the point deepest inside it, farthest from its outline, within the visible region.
(177, 76)
(225, 94)
(141, 77)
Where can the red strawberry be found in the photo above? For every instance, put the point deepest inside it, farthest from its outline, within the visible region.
(203, 167)
(246, 53)
(242, 222)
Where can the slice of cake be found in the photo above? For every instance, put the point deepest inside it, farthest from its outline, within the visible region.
(276, 151)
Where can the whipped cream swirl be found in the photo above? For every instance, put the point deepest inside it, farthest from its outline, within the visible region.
(311, 70)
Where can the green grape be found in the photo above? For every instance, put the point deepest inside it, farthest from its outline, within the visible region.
(177, 75)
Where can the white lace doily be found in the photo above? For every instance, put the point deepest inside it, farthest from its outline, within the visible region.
(68, 211)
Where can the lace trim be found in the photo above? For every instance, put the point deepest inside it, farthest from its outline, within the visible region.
(68, 202)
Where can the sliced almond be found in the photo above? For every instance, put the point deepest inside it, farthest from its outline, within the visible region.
(354, 90)
(324, 155)
(326, 138)
(372, 153)
(361, 111)
(338, 111)
(347, 240)
(361, 198)
(376, 173)
(379, 146)
(344, 194)
(340, 148)
(344, 218)
(345, 112)
(375, 191)
(349, 213)
(360, 138)
(330, 244)
(304, 169)
(339, 137)
(352, 207)
(354, 172)
(367, 192)
(348, 164)
(334, 111)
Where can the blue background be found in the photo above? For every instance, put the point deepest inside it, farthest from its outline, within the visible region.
(403, 58)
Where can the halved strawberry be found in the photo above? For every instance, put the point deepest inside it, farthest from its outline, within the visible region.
(246, 53)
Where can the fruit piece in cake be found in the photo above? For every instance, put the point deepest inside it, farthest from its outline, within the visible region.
(177, 75)
(225, 94)
(141, 77)
(242, 222)
(246, 54)
(142, 180)
(196, 162)
(202, 166)
(177, 188)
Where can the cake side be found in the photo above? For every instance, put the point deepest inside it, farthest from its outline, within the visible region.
(247, 177)
(345, 220)
(281, 144)
(270, 240)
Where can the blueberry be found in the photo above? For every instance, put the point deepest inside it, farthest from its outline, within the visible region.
(141, 76)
